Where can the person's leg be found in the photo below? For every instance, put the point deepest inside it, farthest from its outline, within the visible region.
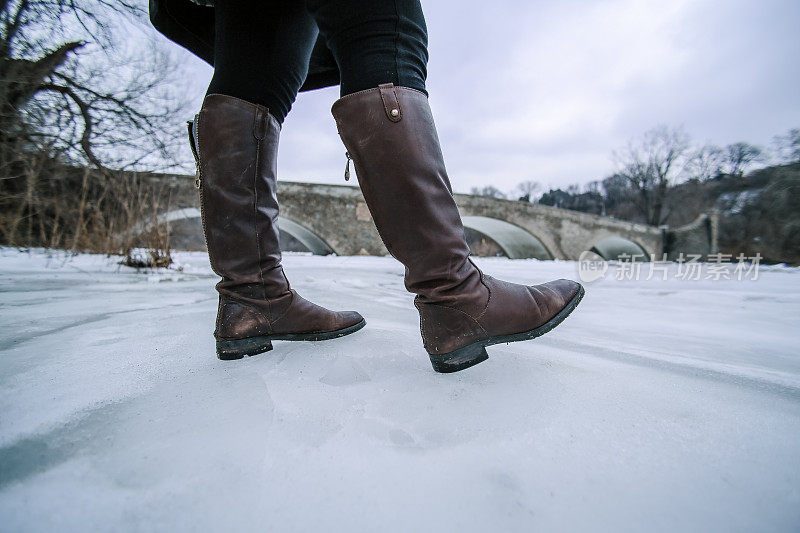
(261, 51)
(387, 127)
(374, 42)
(235, 143)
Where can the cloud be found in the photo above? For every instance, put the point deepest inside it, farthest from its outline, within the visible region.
(547, 90)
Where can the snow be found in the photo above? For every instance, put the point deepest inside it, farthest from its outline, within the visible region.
(657, 406)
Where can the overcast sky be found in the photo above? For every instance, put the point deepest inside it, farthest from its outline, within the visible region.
(543, 90)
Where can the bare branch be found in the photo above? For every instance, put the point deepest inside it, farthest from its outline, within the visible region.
(86, 138)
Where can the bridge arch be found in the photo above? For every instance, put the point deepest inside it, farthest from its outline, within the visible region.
(296, 233)
(305, 236)
(613, 247)
(515, 242)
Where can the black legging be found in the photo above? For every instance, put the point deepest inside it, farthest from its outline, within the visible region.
(262, 47)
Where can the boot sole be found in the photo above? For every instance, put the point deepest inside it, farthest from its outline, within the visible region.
(475, 353)
(239, 348)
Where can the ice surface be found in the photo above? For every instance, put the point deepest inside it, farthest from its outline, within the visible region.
(658, 406)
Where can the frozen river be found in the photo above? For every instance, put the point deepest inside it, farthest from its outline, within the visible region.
(659, 405)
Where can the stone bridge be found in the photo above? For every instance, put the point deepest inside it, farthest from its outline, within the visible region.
(327, 219)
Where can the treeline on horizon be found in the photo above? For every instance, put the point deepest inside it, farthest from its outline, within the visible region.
(662, 179)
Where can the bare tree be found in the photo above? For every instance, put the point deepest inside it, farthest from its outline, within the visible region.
(78, 106)
(69, 86)
(488, 190)
(650, 165)
(788, 146)
(528, 190)
(706, 162)
(739, 156)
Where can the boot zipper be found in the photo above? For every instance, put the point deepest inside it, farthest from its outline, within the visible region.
(197, 181)
(347, 168)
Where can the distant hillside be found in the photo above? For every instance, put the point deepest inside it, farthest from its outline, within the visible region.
(759, 212)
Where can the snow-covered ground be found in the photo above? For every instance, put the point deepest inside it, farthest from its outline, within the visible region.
(657, 406)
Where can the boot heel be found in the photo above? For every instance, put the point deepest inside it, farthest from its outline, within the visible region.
(236, 349)
(459, 359)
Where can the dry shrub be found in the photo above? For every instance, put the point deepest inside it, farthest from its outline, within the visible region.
(50, 204)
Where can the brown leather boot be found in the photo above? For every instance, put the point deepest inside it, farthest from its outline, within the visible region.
(390, 136)
(235, 145)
